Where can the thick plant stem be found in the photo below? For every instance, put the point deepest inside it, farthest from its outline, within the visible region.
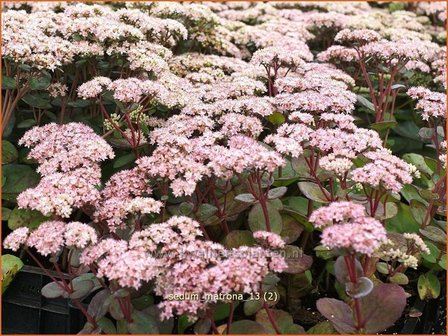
(271, 318)
(350, 262)
(230, 320)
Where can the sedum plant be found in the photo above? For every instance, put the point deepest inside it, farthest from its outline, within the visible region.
(228, 167)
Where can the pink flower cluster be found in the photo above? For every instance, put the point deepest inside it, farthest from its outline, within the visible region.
(68, 157)
(183, 263)
(430, 104)
(345, 226)
(386, 170)
(50, 237)
(192, 147)
(123, 195)
(61, 148)
(269, 239)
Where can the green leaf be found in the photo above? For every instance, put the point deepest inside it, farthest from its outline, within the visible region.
(185, 208)
(291, 229)
(283, 320)
(403, 221)
(114, 308)
(410, 193)
(206, 210)
(247, 327)
(99, 304)
(202, 326)
(142, 323)
(222, 310)
(426, 133)
(124, 160)
(296, 203)
(257, 220)
(39, 83)
(239, 238)
(391, 211)
(10, 266)
(428, 286)
(183, 323)
(418, 210)
(246, 198)
(25, 218)
(434, 233)
(18, 178)
(80, 103)
(313, 192)
(322, 328)
(8, 83)
(252, 306)
(382, 268)
(323, 252)
(166, 326)
(434, 254)
(383, 125)
(276, 118)
(143, 302)
(407, 129)
(122, 327)
(269, 282)
(6, 213)
(399, 279)
(285, 175)
(418, 161)
(277, 192)
(52, 290)
(81, 288)
(37, 101)
(106, 325)
(442, 262)
(9, 152)
(26, 123)
(297, 207)
(361, 100)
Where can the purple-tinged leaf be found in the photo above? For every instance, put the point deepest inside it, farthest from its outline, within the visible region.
(338, 313)
(382, 307)
(297, 261)
(340, 270)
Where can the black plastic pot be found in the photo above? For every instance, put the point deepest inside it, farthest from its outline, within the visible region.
(432, 320)
(26, 311)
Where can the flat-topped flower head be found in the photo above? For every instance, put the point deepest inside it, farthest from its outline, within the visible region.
(269, 239)
(386, 170)
(94, 87)
(289, 139)
(79, 235)
(16, 239)
(346, 226)
(336, 212)
(61, 193)
(62, 148)
(365, 236)
(430, 103)
(357, 36)
(48, 238)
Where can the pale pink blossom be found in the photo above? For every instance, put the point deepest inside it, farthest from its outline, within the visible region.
(79, 235)
(269, 239)
(48, 238)
(16, 238)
